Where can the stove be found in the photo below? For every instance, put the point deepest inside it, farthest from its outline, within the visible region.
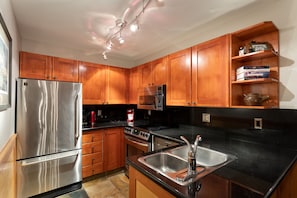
(143, 131)
(138, 132)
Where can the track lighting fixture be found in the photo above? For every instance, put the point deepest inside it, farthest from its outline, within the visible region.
(104, 55)
(134, 27)
(121, 39)
(109, 45)
(120, 25)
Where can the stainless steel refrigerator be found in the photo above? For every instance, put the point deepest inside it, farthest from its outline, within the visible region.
(48, 127)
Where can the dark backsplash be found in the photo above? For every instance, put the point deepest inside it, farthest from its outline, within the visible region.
(279, 126)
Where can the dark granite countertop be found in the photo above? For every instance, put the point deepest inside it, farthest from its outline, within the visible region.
(104, 125)
(260, 165)
(110, 124)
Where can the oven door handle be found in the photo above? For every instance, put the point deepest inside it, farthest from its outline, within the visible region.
(138, 145)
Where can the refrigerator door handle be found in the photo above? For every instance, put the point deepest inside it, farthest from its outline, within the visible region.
(76, 120)
(37, 160)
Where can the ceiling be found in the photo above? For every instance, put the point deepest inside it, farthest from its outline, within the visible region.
(85, 24)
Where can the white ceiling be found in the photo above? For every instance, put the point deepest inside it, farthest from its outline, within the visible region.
(85, 24)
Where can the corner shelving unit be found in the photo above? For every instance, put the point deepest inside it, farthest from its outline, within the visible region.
(262, 32)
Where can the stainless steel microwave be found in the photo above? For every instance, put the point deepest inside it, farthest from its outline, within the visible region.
(152, 98)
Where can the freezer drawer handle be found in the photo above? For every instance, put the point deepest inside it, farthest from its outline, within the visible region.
(49, 158)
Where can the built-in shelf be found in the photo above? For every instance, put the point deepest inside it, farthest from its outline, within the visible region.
(258, 80)
(262, 32)
(255, 55)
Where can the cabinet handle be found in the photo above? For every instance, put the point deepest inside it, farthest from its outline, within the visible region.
(54, 77)
(189, 103)
(194, 103)
(47, 77)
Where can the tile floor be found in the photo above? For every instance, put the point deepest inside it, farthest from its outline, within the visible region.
(112, 185)
(115, 185)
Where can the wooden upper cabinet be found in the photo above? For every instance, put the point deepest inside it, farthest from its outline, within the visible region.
(93, 78)
(35, 66)
(210, 73)
(134, 84)
(179, 78)
(159, 71)
(103, 84)
(65, 70)
(117, 85)
(146, 75)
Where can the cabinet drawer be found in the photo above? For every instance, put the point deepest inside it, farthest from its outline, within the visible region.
(87, 171)
(97, 168)
(92, 137)
(90, 159)
(93, 147)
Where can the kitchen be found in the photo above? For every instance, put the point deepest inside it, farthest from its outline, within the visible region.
(281, 13)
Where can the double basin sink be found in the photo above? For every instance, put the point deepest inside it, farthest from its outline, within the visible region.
(173, 163)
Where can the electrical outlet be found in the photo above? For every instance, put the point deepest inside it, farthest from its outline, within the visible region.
(206, 117)
(258, 123)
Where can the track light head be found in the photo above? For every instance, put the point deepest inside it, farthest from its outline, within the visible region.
(109, 45)
(104, 55)
(134, 27)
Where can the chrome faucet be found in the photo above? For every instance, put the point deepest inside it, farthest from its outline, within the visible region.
(191, 156)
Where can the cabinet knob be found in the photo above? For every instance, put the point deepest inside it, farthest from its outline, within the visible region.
(54, 78)
(194, 103)
(189, 103)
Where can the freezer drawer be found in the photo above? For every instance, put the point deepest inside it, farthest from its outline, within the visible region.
(46, 173)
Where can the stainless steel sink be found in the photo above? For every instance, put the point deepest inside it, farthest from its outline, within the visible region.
(173, 163)
(204, 156)
(164, 162)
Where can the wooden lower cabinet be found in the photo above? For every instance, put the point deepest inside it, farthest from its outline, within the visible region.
(142, 187)
(113, 148)
(212, 186)
(287, 187)
(92, 153)
(102, 150)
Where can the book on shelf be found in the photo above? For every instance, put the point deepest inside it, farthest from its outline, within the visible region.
(243, 69)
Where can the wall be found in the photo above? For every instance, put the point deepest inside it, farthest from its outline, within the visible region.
(7, 117)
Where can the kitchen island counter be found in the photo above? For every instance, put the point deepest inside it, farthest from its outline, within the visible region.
(259, 167)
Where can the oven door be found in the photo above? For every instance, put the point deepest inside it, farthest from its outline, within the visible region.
(134, 146)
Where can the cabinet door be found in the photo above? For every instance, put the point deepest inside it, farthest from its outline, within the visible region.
(117, 81)
(35, 66)
(141, 186)
(210, 73)
(145, 75)
(134, 82)
(179, 78)
(65, 70)
(93, 78)
(112, 148)
(159, 71)
(214, 186)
